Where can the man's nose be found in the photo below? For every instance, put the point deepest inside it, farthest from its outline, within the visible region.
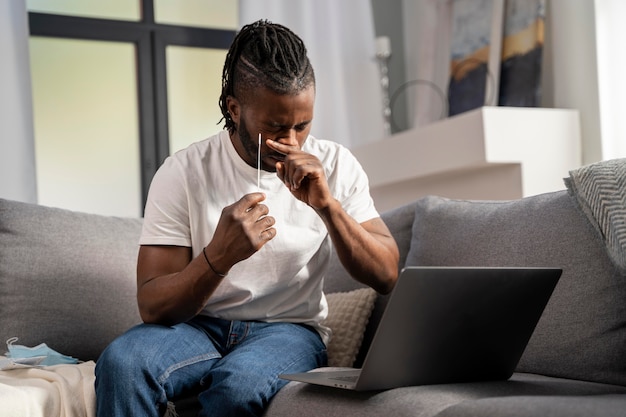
(290, 137)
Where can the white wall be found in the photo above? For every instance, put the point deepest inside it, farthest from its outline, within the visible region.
(570, 76)
(570, 71)
(585, 66)
(17, 160)
(570, 81)
(611, 32)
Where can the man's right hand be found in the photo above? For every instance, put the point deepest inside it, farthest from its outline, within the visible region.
(244, 227)
(172, 287)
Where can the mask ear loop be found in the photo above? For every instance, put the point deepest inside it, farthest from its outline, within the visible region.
(10, 342)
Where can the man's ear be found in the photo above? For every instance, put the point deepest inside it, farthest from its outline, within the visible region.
(234, 108)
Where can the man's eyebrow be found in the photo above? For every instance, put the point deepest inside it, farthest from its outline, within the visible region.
(284, 126)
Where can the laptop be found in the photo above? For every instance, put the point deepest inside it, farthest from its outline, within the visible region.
(448, 325)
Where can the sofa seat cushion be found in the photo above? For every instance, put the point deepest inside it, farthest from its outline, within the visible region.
(305, 400)
(67, 279)
(609, 405)
(582, 333)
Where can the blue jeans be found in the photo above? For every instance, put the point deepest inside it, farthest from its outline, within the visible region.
(233, 365)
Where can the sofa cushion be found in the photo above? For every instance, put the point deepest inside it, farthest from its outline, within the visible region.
(609, 405)
(599, 189)
(582, 333)
(304, 400)
(348, 314)
(67, 279)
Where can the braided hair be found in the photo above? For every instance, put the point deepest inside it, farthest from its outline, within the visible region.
(264, 54)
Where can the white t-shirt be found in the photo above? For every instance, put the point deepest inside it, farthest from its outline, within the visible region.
(283, 281)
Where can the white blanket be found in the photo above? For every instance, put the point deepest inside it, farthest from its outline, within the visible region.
(51, 391)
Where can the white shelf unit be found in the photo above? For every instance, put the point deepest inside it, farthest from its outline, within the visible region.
(493, 153)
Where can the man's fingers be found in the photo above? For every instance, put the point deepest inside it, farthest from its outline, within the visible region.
(248, 201)
(267, 234)
(266, 222)
(263, 224)
(293, 172)
(280, 170)
(258, 211)
(281, 147)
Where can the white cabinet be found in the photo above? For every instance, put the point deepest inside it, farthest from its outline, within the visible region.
(489, 153)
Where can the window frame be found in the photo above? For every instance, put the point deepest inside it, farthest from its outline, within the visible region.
(151, 40)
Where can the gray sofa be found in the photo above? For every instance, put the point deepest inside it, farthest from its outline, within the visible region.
(68, 279)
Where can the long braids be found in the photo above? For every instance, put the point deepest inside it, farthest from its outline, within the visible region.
(264, 54)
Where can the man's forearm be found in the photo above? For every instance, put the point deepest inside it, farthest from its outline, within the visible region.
(367, 251)
(176, 296)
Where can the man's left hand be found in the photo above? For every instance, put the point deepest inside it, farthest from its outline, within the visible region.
(303, 174)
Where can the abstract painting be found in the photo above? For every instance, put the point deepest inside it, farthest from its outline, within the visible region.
(522, 48)
(474, 54)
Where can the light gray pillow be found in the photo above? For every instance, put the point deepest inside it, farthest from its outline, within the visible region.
(582, 333)
(67, 279)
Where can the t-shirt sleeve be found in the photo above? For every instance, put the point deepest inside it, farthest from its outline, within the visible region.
(166, 216)
(352, 187)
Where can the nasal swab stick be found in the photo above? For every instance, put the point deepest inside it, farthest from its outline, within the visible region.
(258, 166)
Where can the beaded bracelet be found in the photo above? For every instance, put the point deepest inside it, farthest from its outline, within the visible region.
(211, 266)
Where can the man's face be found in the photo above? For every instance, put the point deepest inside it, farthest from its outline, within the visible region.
(283, 118)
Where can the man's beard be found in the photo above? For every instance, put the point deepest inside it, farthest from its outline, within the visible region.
(251, 147)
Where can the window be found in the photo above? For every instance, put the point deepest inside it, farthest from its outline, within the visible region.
(116, 91)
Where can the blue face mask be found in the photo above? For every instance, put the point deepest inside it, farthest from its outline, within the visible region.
(49, 356)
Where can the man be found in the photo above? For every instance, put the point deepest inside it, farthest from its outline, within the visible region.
(230, 275)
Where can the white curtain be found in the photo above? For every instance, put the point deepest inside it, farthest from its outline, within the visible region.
(17, 154)
(427, 32)
(339, 36)
(610, 35)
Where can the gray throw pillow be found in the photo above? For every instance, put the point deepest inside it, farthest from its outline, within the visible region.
(67, 279)
(582, 333)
